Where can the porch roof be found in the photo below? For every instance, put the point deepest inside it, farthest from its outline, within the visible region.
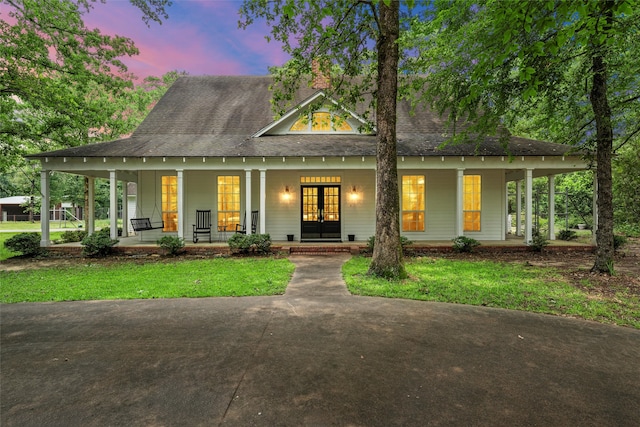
(216, 116)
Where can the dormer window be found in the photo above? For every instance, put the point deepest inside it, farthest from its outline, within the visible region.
(321, 121)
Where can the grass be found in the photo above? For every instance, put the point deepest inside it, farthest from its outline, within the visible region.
(486, 283)
(128, 280)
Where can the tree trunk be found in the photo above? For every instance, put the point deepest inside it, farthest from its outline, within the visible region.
(604, 149)
(387, 253)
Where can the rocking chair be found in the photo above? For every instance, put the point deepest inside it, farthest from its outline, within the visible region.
(202, 225)
(254, 224)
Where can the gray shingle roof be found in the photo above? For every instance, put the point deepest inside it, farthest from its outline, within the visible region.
(215, 116)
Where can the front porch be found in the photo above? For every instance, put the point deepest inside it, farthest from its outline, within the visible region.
(133, 246)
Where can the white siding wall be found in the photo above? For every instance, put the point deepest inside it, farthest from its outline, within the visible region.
(441, 205)
(149, 203)
(492, 226)
(358, 218)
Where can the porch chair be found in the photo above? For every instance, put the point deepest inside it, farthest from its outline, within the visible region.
(254, 224)
(202, 225)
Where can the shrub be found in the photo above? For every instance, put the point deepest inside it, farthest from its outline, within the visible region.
(250, 243)
(404, 242)
(618, 241)
(171, 244)
(73, 236)
(27, 244)
(567, 235)
(464, 244)
(98, 244)
(538, 241)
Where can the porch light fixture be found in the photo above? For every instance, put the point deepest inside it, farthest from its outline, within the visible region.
(286, 196)
(353, 195)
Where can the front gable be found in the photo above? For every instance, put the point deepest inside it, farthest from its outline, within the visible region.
(328, 118)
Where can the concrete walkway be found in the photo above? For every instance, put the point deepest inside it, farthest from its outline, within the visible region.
(315, 356)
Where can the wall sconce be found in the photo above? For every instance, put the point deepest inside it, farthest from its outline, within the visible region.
(286, 196)
(353, 195)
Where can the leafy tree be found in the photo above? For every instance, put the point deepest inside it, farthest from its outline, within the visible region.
(576, 62)
(360, 40)
(56, 74)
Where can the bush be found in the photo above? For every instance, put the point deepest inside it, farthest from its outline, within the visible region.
(171, 244)
(27, 244)
(250, 243)
(404, 242)
(567, 235)
(618, 241)
(73, 236)
(538, 241)
(98, 244)
(464, 244)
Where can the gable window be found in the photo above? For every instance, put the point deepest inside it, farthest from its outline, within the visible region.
(321, 121)
(413, 203)
(472, 202)
(170, 203)
(228, 202)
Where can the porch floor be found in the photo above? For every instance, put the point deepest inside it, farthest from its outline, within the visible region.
(133, 245)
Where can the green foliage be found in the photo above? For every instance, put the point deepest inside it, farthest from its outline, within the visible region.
(404, 242)
(538, 241)
(464, 244)
(62, 80)
(567, 235)
(27, 244)
(73, 236)
(172, 244)
(619, 241)
(98, 244)
(250, 243)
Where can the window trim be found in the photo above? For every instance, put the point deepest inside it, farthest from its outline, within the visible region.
(422, 202)
(169, 217)
(221, 220)
(464, 203)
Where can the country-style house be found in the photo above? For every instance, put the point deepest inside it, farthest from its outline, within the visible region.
(211, 143)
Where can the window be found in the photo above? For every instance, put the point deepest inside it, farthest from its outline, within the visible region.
(170, 203)
(321, 121)
(413, 203)
(472, 202)
(228, 202)
(320, 179)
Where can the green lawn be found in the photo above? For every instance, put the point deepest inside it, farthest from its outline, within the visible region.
(89, 280)
(486, 283)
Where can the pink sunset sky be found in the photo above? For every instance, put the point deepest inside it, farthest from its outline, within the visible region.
(200, 37)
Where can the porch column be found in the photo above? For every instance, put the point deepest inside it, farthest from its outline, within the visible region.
(247, 200)
(263, 200)
(113, 204)
(594, 229)
(518, 208)
(125, 210)
(45, 180)
(90, 215)
(507, 225)
(528, 206)
(181, 217)
(552, 207)
(459, 203)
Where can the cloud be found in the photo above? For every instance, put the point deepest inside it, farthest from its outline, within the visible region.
(200, 37)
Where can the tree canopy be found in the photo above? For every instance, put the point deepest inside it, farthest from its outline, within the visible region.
(572, 67)
(59, 78)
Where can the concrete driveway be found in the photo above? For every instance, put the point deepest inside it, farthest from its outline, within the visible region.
(315, 356)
